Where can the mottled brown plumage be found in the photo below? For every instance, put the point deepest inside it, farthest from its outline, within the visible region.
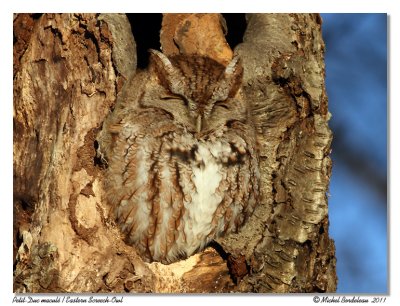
(181, 154)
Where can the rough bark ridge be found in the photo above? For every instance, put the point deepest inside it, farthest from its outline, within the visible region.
(68, 70)
(286, 245)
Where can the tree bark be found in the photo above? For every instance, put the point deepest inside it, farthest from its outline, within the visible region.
(68, 71)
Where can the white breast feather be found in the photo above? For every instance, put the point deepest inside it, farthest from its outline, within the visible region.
(206, 178)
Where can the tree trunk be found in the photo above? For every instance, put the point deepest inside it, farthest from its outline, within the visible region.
(68, 70)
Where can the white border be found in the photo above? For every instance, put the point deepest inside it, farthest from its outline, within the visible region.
(338, 6)
(206, 6)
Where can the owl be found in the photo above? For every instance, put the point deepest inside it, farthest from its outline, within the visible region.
(182, 158)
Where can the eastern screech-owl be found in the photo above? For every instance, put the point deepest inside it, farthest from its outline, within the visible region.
(181, 153)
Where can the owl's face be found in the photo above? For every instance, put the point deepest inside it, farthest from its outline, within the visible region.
(197, 91)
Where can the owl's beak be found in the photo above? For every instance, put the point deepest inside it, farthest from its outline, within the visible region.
(199, 119)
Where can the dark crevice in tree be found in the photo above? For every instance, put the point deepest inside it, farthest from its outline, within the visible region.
(98, 161)
(146, 31)
(37, 15)
(236, 24)
(217, 247)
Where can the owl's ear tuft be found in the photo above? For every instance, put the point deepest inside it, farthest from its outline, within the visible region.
(234, 75)
(230, 81)
(234, 66)
(160, 60)
(169, 76)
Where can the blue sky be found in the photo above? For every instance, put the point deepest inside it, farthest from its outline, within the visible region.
(356, 80)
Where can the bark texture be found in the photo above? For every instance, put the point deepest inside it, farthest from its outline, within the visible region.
(286, 245)
(68, 70)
